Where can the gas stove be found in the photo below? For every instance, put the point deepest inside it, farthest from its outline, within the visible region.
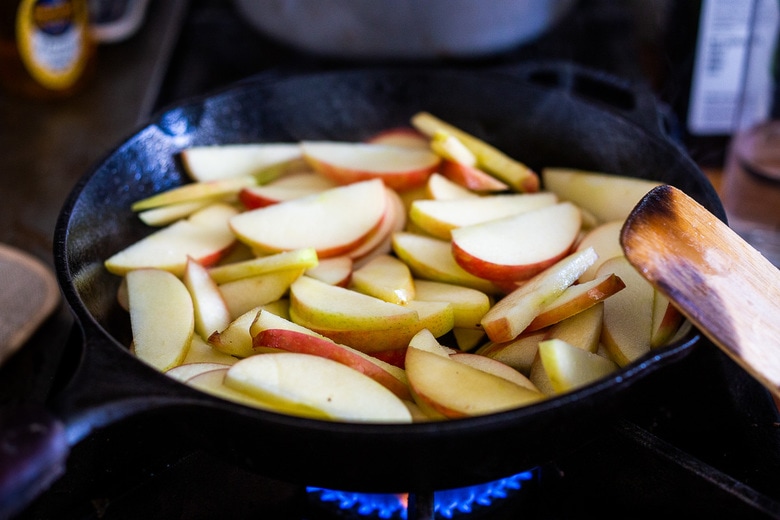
(703, 439)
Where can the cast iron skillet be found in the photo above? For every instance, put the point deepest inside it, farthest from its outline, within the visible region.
(552, 114)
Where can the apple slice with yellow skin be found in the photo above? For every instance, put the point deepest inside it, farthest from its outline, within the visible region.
(204, 236)
(302, 258)
(469, 305)
(582, 330)
(187, 371)
(518, 353)
(167, 214)
(569, 367)
(516, 174)
(576, 299)
(431, 259)
(471, 177)
(384, 277)
(214, 162)
(211, 310)
(437, 317)
(605, 240)
(336, 308)
(439, 217)
(213, 383)
(449, 147)
(628, 315)
(468, 339)
(201, 351)
(332, 222)
(162, 317)
(495, 367)
(399, 167)
(194, 192)
(511, 315)
(245, 294)
(393, 378)
(336, 270)
(400, 136)
(235, 339)
(456, 390)
(666, 320)
(607, 197)
(539, 377)
(539, 238)
(320, 383)
(440, 187)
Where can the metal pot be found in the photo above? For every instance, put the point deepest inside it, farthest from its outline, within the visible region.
(547, 114)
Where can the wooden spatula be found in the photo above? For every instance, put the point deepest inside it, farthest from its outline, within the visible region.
(726, 288)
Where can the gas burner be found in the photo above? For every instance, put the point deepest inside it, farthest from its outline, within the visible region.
(447, 504)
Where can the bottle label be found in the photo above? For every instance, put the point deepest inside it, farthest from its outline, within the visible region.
(52, 41)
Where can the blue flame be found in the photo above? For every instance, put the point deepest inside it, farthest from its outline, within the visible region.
(447, 504)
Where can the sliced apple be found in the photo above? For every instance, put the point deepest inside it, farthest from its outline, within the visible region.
(187, 371)
(399, 167)
(440, 187)
(385, 277)
(582, 330)
(201, 351)
(389, 376)
(666, 320)
(211, 310)
(209, 163)
(576, 299)
(204, 236)
(336, 270)
(456, 390)
(519, 176)
(165, 215)
(302, 258)
(512, 314)
(607, 197)
(440, 217)
(248, 293)
(628, 315)
(469, 305)
(569, 367)
(400, 136)
(471, 177)
(495, 367)
(518, 353)
(331, 222)
(605, 240)
(431, 259)
(235, 339)
(468, 339)
(539, 238)
(291, 186)
(213, 382)
(425, 340)
(380, 243)
(162, 318)
(194, 192)
(323, 384)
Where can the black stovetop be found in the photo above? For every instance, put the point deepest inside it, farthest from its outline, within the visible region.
(703, 440)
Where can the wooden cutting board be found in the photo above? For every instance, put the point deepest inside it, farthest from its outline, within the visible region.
(28, 295)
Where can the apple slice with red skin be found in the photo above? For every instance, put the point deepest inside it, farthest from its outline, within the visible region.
(332, 222)
(399, 167)
(284, 188)
(605, 240)
(511, 315)
(400, 136)
(440, 187)
(380, 242)
(204, 236)
(471, 177)
(666, 320)
(576, 299)
(391, 377)
(539, 238)
(456, 390)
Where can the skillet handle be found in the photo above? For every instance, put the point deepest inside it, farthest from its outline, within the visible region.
(33, 453)
(630, 100)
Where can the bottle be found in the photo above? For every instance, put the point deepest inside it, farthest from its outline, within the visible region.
(46, 51)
